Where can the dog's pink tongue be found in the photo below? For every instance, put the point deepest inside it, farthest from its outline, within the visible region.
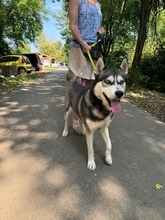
(115, 105)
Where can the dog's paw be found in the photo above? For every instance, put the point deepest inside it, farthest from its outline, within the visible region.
(108, 160)
(65, 133)
(91, 165)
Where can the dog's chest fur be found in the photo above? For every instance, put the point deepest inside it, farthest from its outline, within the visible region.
(95, 125)
(93, 114)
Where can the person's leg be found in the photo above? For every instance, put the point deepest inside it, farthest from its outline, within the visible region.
(77, 124)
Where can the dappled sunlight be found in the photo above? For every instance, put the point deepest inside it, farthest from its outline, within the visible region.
(20, 177)
(3, 110)
(19, 163)
(155, 146)
(116, 196)
(10, 104)
(12, 109)
(159, 122)
(97, 214)
(69, 200)
(21, 134)
(44, 176)
(113, 190)
(45, 135)
(21, 147)
(34, 122)
(9, 121)
(61, 101)
(20, 127)
(5, 148)
(56, 177)
(25, 89)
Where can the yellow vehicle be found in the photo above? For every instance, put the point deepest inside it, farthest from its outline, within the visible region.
(19, 62)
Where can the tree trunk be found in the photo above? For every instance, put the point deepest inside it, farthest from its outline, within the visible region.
(144, 18)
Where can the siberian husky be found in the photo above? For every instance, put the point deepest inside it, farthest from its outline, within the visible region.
(95, 106)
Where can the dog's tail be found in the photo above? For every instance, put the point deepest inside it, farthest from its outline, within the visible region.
(70, 75)
(77, 80)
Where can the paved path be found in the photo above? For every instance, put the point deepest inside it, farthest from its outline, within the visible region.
(43, 176)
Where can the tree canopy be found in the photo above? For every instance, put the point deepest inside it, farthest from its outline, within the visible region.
(134, 28)
(49, 47)
(21, 22)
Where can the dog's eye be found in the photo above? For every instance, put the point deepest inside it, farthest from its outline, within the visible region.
(107, 81)
(121, 82)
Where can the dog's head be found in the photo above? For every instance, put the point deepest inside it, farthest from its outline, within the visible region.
(110, 85)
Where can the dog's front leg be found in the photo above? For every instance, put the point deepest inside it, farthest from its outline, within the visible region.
(67, 114)
(89, 139)
(105, 134)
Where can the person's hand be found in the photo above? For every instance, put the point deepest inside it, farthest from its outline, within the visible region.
(85, 47)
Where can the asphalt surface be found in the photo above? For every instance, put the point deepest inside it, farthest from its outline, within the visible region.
(43, 176)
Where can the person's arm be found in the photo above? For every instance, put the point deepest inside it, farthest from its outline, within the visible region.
(101, 28)
(73, 20)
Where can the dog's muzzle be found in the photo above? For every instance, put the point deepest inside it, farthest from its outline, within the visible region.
(115, 103)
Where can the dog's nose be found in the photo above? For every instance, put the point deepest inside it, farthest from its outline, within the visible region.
(119, 94)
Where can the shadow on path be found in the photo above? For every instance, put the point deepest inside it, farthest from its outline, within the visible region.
(44, 176)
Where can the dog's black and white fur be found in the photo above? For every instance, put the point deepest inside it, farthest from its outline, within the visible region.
(95, 106)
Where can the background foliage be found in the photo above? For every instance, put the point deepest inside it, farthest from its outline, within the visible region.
(21, 22)
(53, 49)
(134, 29)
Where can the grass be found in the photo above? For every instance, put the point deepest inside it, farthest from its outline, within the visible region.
(49, 68)
(10, 83)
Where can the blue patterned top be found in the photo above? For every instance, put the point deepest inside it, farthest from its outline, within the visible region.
(89, 21)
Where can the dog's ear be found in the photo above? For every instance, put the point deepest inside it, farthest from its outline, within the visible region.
(124, 65)
(99, 66)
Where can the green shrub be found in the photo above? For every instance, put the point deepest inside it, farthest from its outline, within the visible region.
(9, 83)
(115, 58)
(152, 71)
